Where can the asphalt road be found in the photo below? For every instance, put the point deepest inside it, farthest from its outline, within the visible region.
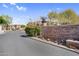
(15, 44)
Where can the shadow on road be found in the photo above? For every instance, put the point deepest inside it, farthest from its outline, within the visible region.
(24, 36)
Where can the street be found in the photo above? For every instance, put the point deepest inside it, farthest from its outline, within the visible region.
(16, 44)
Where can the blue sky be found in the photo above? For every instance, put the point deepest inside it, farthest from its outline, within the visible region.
(21, 12)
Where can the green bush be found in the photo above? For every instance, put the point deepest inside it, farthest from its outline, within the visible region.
(32, 31)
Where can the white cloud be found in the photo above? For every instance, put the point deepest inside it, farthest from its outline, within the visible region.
(50, 10)
(4, 5)
(13, 3)
(20, 8)
(54, 9)
(58, 8)
(28, 17)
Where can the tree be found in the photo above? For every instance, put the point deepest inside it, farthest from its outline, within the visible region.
(2, 21)
(5, 19)
(53, 16)
(66, 17)
(71, 16)
(22, 26)
(62, 19)
(43, 19)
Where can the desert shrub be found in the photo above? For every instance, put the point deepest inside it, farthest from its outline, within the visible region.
(32, 31)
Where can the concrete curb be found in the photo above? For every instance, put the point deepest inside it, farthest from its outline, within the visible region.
(55, 44)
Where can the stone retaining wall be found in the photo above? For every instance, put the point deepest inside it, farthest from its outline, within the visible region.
(60, 33)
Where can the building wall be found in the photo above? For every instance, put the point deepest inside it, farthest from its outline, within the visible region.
(37, 23)
(12, 27)
(0, 27)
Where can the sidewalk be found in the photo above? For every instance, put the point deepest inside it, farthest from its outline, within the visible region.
(2, 32)
(55, 44)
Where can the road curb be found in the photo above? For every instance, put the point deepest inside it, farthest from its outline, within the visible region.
(55, 44)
